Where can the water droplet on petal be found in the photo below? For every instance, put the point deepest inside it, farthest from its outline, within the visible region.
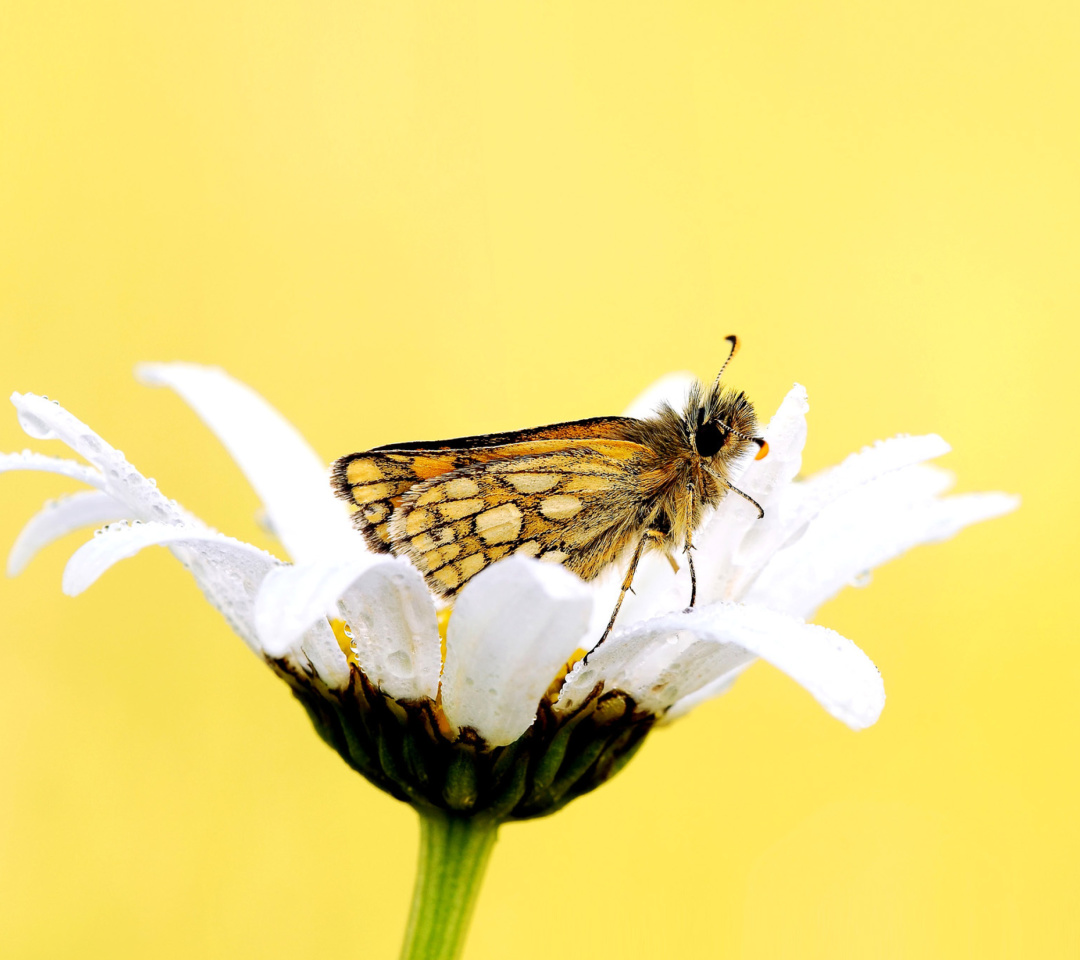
(347, 630)
(862, 579)
(35, 426)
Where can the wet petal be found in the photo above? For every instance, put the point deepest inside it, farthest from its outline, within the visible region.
(656, 669)
(289, 477)
(46, 420)
(715, 688)
(58, 518)
(292, 598)
(514, 625)
(227, 570)
(877, 460)
(322, 650)
(838, 674)
(38, 461)
(865, 529)
(395, 631)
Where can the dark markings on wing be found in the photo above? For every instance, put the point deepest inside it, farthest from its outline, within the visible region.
(576, 507)
(374, 481)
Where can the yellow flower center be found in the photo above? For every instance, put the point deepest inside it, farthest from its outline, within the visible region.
(344, 639)
(443, 618)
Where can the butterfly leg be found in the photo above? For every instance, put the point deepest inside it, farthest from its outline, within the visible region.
(627, 581)
(747, 497)
(688, 550)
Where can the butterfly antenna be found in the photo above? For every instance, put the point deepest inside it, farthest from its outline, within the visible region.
(762, 443)
(734, 341)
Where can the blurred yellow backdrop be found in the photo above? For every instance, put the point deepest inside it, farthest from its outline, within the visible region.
(399, 220)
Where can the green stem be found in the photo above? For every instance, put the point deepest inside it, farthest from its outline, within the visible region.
(454, 852)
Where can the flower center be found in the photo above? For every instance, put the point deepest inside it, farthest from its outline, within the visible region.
(343, 635)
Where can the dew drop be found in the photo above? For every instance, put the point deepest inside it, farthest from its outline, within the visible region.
(35, 426)
(347, 630)
(862, 579)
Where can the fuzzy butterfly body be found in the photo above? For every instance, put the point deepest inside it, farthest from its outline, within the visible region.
(583, 493)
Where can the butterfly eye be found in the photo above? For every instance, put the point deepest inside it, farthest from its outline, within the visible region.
(708, 439)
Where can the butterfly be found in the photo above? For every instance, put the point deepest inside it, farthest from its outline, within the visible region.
(586, 494)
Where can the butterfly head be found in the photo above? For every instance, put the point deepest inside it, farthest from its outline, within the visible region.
(722, 422)
(723, 425)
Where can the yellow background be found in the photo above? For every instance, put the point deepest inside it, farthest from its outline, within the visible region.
(401, 221)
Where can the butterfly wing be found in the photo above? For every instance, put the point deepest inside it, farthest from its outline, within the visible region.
(613, 428)
(578, 504)
(376, 480)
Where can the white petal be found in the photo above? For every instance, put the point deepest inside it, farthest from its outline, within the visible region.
(671, 389)
(872, 462)
(733, 543)
(654, 668)
(800, 502)
(786, 434)
(227, 570)
(46, 420)
(60, 517)
(715, 688)
(704, 663)
(863, 530)
(514, 625)
(320, 646)
(38, 461)
(289, 477)
(832, 668)
(395, 631)
(292, 598)
(812, 495)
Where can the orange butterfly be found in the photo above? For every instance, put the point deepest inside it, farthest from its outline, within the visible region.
(583, 493)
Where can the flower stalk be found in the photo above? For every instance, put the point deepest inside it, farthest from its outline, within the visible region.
(454, 853)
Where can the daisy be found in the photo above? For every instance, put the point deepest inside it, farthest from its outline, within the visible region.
(494, 713)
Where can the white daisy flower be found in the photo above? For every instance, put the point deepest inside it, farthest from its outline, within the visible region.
(496, 725)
